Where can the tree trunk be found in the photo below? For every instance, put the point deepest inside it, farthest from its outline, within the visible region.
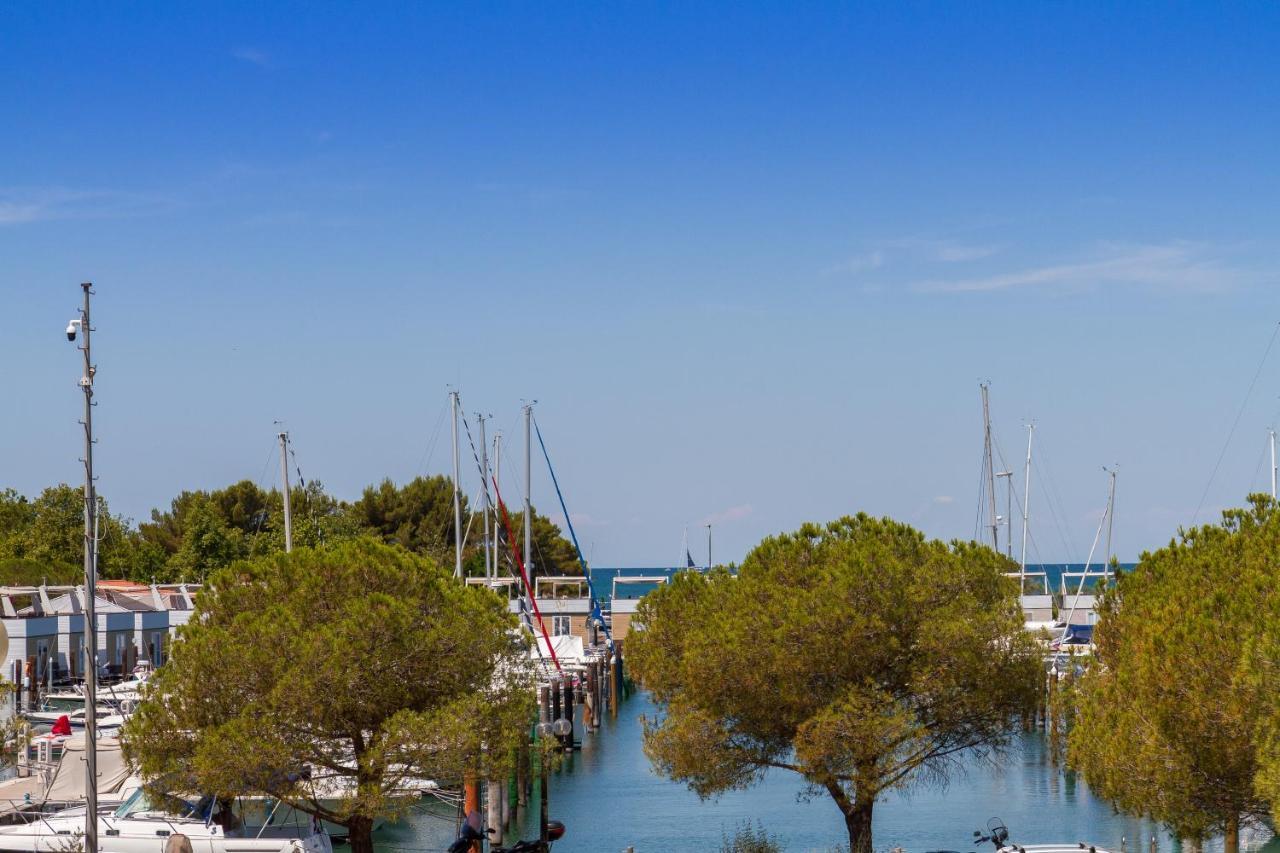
(360, 834)
(858, 821)
(1231, 835)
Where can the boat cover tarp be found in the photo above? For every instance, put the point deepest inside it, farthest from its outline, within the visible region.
(19, 792)
(568, 649)
(68, 783)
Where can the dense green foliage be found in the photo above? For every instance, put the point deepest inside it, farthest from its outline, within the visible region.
(361, 661)
(419, 516)
(859, 655)
(43, 539)
(1177, 717)
(203, 531)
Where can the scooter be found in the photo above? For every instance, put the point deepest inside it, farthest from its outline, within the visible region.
(470, 835)
(997, 834)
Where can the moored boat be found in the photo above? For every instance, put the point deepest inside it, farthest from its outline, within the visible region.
(145, 822)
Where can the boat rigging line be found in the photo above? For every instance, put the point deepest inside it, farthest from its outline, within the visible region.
(1226, 444)
(529, 593)
(586, 572)
(524, 577)
(1084, 576)
(428, 452)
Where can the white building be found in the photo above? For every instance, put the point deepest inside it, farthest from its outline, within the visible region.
(43, 627)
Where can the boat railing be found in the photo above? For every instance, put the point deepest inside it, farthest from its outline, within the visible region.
(637, 580)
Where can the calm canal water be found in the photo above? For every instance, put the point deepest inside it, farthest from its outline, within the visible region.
(609, 799)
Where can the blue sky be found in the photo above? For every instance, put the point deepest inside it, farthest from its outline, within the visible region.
(751, 259)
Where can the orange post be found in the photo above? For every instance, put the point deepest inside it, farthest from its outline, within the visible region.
(471, 805)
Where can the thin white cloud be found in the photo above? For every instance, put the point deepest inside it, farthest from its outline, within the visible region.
(17, 213)
(582, 519)
(956, 254)
(25, 205)
(944, 499)
(252, 55)
(1170, 266)
(859, 263)
(733, 513)
(943, 251)
(912, 250)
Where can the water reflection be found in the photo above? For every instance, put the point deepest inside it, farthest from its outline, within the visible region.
(610, 799)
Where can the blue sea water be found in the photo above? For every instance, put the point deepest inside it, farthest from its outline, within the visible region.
(603, 579)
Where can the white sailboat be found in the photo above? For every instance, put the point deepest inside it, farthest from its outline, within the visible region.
(145, 822)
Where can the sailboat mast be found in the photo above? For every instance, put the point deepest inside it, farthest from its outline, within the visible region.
(284, 480)
(1273, 464)
(1007, 476)
(90, 583)
(457, 492)
(484, 472)
(989, 465)
(528, 497)
(497, 476)
(1026, 505)
(1111, 514)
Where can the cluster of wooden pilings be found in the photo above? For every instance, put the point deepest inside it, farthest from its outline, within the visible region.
(1054, 707)
(575, 699)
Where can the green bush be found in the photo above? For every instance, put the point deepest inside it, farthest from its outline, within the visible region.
(749, 839)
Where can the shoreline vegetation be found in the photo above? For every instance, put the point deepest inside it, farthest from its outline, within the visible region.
(860, 655)
(201, 531)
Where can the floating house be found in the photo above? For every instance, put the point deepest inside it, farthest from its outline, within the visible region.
(42, 627)
(565, 604)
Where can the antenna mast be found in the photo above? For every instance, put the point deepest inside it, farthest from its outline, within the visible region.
(90, 581)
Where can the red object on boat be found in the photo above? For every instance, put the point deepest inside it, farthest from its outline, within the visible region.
(63, 726)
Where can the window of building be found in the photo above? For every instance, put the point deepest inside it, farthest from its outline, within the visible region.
(561, 626)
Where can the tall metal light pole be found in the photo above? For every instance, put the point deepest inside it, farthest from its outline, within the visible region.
(284, 479)
(709, 563)
(83, 325)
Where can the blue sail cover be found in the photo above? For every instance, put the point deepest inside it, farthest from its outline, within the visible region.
(1078, 635)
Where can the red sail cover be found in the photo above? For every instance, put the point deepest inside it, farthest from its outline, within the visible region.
(63, 726)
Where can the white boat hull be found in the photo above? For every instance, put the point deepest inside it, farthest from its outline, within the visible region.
(150, 834)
